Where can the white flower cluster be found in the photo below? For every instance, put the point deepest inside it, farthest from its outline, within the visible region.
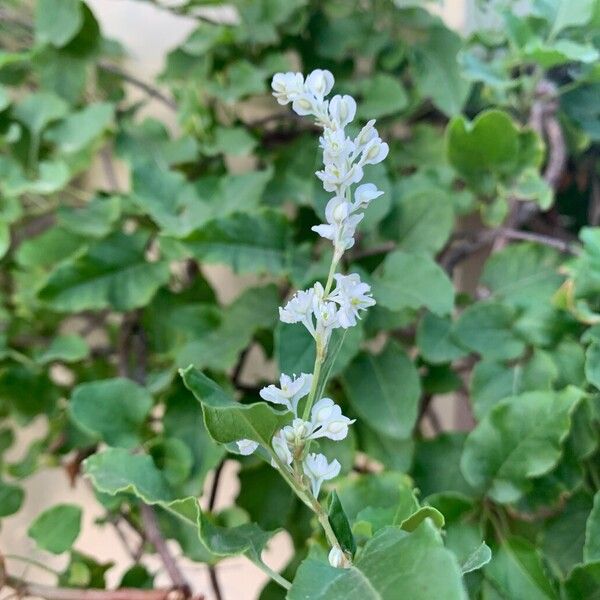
(343, 157)
(323, 309)
(321, 313)
(326, 421)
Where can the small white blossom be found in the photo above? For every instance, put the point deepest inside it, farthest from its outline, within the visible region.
(336, 557)
(342, 110)
(367, 133)
(318, 470)
(364, 194)
(287, 86)
(304, 104)
(299, 309)
(246, 447)
(328, 421)
(281, 447)
(374, 152)
(352, 295)
(336, 178)
(292, 390)
(319, 83)
(297, 432)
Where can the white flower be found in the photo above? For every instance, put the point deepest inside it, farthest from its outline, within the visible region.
(292, 390)
(326, 316)
(281, 447)
(246, 447)
(352, 295)
(374, 152)
(318, 470)
(336, 557)
(287, 86)
(341, 235)
(297, 432)
(299, 310)
(304, 104)
(336, 178)
(319, 83)
(336, 145)
(328, 421)
(367, 133)
(364, 194)
(342, 109)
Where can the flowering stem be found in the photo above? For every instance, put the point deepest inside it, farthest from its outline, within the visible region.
(321, 347)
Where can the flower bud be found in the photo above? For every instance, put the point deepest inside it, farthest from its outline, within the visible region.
(337, 558)
(319, 83)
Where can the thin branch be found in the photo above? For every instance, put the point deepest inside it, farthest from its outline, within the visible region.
(214, 582)
(28, 589)
(154, 536)
(152, 91)
(563, 245)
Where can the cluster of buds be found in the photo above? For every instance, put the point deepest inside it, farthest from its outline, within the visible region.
(322, 309)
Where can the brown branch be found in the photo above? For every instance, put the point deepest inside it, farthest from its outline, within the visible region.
(28, 589)
(563, 245)
(142, 85)
(154, 536)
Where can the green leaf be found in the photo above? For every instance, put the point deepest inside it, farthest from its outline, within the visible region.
(382, 95)
(570, 13)
(38, 110)
(436, 340)
(64, 348)
(436, 70)
(421, 221)
(11, 498)
(492, 381)
(173, 457)
(517, 572)
(219, 349)
(248, 539)
(584, 582)
(94, 219)
(486, 328)
(81, 128)
(57, 528)
(491, 146)
(4, 238)
(413, 281)
(340, 524)
(425, 512)
(116, 470)
(112, 273)
(248, 243)
(183, 420)
(384, 390)
(592, 363)
(389, 567)
(564, 535)
(520, 438)
(591, 548)
(57, 22)
(523, 274)
(560, 53)
(478, 559)
(436, 466)
(228, 421)
(113, 410)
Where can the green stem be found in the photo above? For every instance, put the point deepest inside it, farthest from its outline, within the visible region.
(274, 575)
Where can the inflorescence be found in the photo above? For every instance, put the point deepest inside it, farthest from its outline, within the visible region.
(322, 309)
